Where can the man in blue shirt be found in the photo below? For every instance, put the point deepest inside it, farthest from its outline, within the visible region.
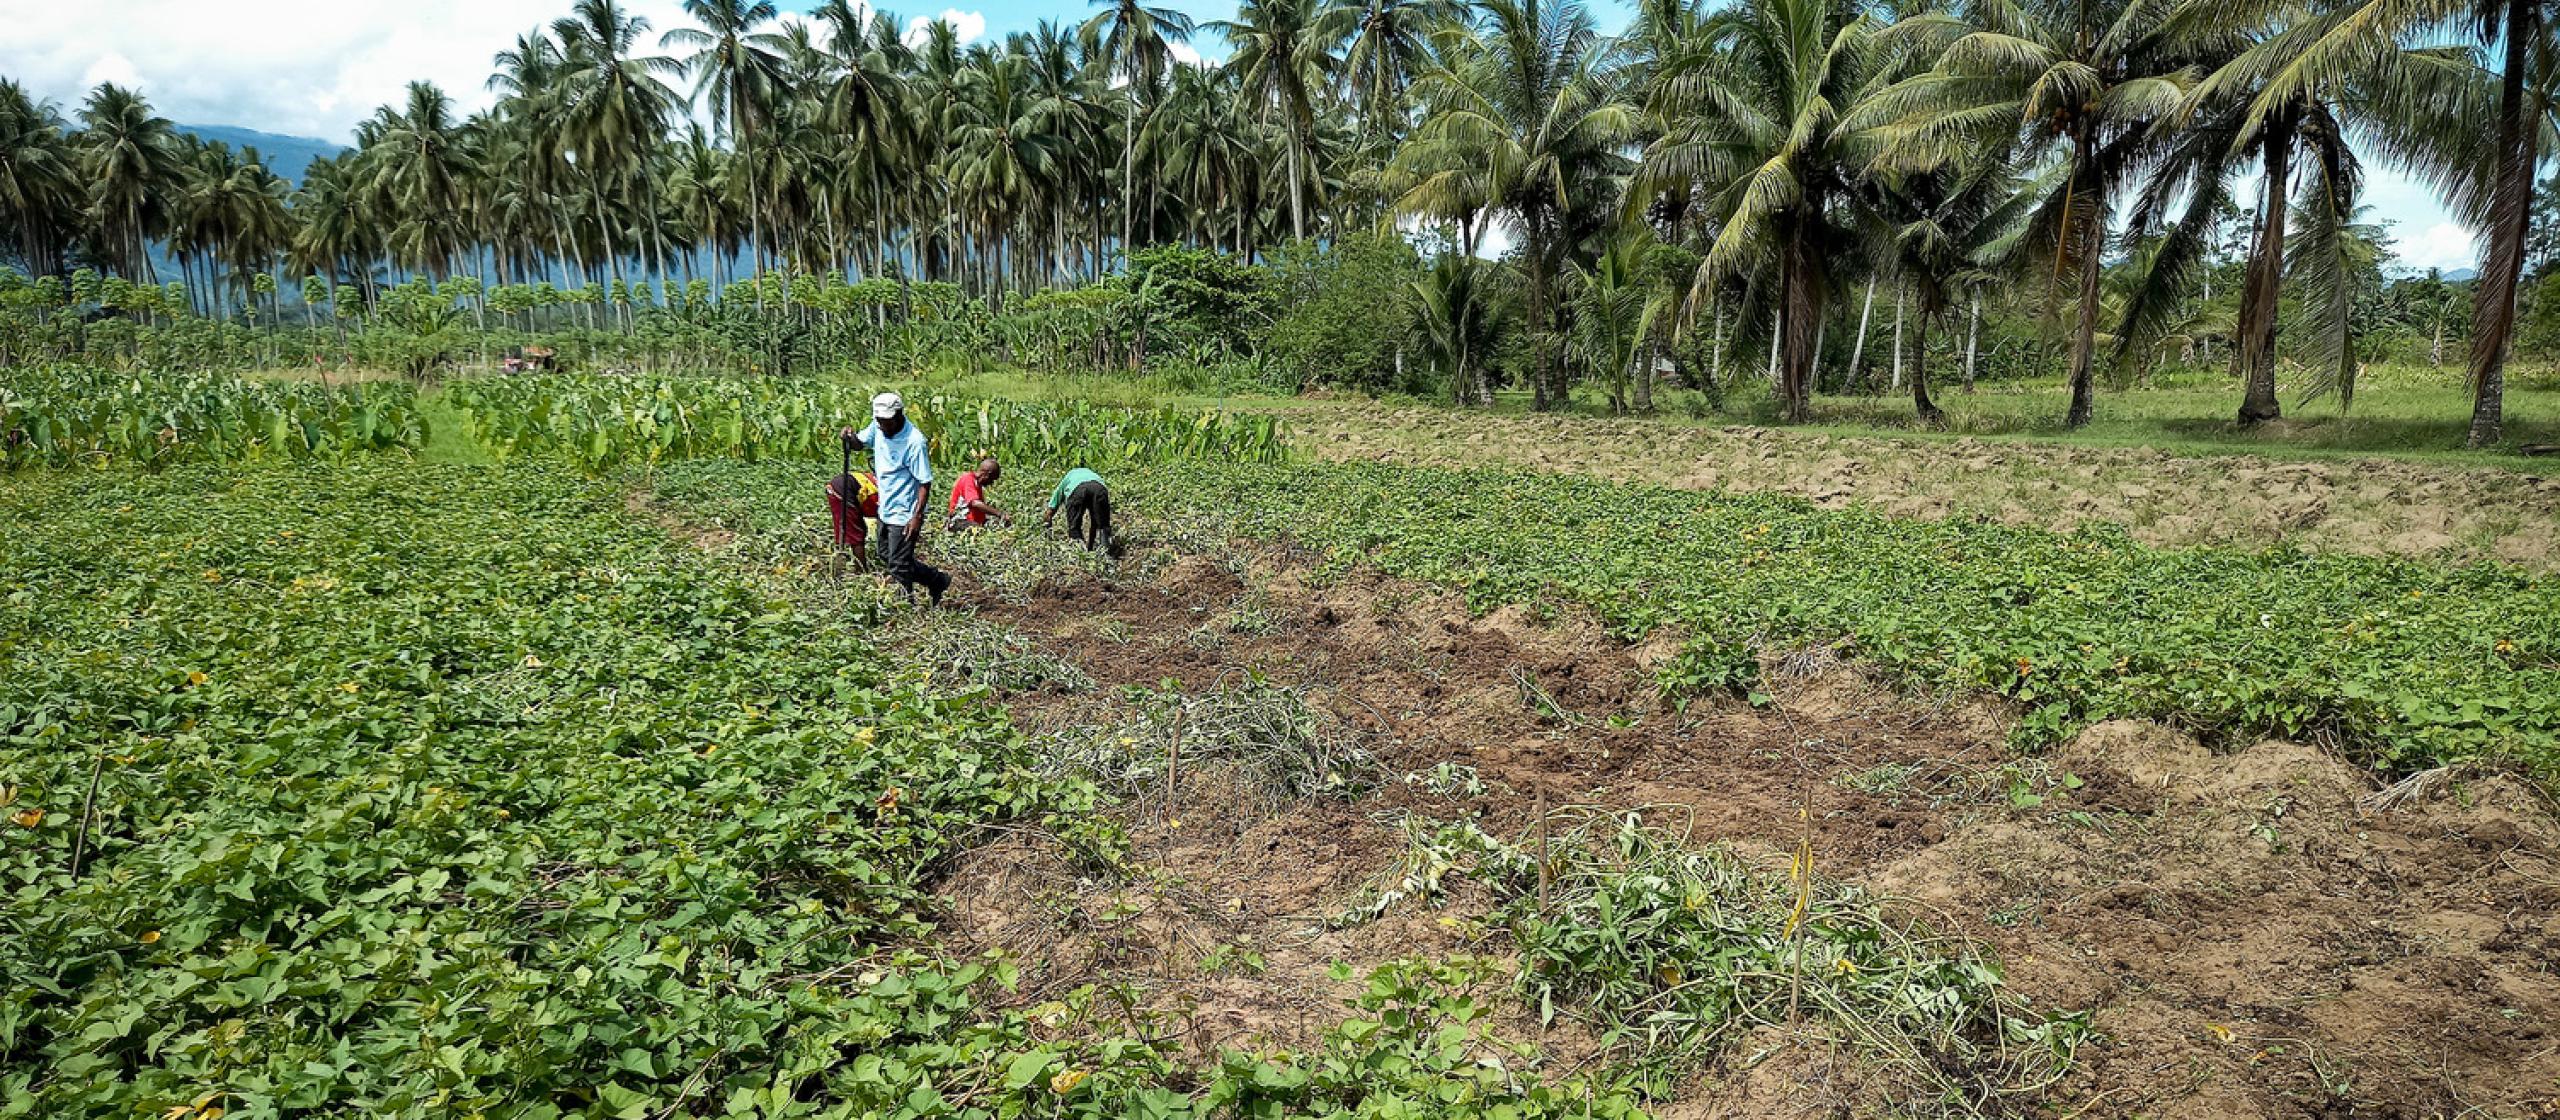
(905, 472)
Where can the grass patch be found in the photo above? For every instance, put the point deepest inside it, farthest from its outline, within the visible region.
(1674, 953)
(1262, 733)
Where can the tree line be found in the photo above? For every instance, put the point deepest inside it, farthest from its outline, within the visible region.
(1719, 179)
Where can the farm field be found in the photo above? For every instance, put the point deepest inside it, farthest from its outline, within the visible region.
(1699, 560)
(2371, 505)
(2129, 875)
(577, 782)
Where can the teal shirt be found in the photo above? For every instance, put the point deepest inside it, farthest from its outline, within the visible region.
(903, 469)
(1067, 485)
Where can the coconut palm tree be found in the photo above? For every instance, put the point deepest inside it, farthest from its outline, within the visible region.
(129, 161)
(1757, 107)
(614, 107)
(1613, 309)
(1457, 324)
(1004, 154)
(1524, 118)
(334, 235)
(417, 161)
(39, 183)
(2084, 78)
(1383, 43)
(1204, 144)
(2486, 174)
(1137, 43)
(1950, 230)
(735, 79)
(2408, 104)
(1282, 60)
(1071, 90)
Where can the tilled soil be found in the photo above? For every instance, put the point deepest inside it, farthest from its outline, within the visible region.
(2250, 941)
(2375, 507)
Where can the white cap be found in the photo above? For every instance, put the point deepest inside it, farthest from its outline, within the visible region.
(887, 405)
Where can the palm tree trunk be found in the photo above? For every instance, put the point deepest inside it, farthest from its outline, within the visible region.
(755, 214)
(1644, 375)
(2084, 340)
(1777, 336)
(1715, 355)
(2259, 294)
(1799, 325)
(1972, 338)
(2493, 315)
(1297, 189)
(1897, 339)
(1128, 168)
(1927, 409)
(1541, 323)
(1858, 352)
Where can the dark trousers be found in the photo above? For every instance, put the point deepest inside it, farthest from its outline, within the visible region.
(898, 554)
(1090, 500)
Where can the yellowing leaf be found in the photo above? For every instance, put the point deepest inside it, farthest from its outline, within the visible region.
(348, 687)
(866, 735)
(29, 818)
(1067, 1081)
(151, 938)
(2220, 1032)
(196, 678)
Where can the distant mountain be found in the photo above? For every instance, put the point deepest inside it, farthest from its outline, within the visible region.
(284, 155)
(2449, 276)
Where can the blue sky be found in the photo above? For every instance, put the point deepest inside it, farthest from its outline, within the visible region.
(315, 67)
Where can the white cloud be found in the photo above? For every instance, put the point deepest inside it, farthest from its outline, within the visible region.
(110, 67)
(970, 25)
(305, 67)
(2444, 245)
(1184, 52)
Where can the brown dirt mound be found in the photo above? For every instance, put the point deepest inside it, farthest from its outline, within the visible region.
(2255, 946)
(2249, 942)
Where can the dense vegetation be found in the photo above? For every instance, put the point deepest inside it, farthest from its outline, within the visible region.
(598, 423)
(388, 791)
(1717, 183)
(64, 416)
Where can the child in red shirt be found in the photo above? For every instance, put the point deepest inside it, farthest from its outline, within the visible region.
(969, 506)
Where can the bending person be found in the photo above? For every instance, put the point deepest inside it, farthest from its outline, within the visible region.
(970, 508)
(1087, 501)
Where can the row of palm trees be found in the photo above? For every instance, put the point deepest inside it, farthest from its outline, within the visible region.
(1796, 151)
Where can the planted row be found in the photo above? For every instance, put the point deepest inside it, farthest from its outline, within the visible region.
(2403, 664)
(60, 416)
(600, 423)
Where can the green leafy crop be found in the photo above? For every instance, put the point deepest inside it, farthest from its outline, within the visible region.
(2403, 664)
(64, 416)
(433, 792)
(603, 422)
